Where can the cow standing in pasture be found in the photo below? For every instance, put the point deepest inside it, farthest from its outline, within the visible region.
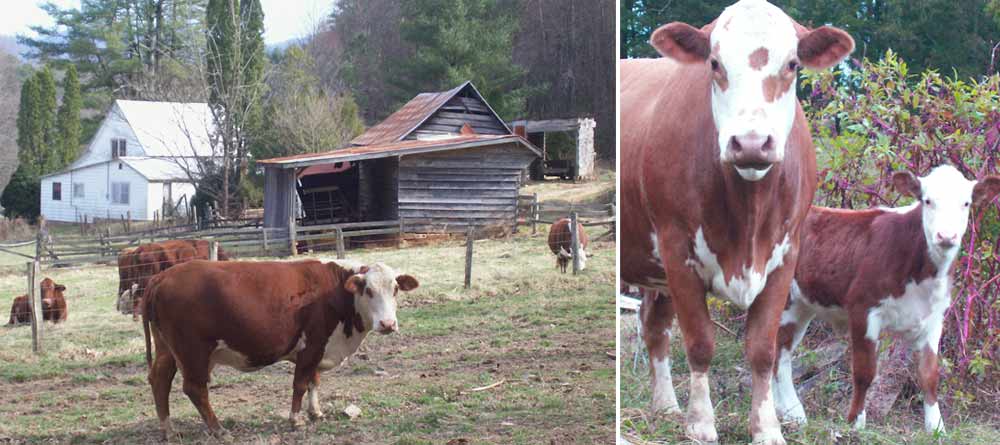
(249, 315)
(870, 271)
(718, 173)
(53, 304)
(144, 262)
(561, 243)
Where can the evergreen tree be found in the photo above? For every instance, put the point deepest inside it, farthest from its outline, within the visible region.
(51, 143)
(69, 118)
(459, 40)
(22, 196)
(29, 130)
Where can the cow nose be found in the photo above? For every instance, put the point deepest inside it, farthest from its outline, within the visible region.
(752, 150)
(387, 326)
(946, 239)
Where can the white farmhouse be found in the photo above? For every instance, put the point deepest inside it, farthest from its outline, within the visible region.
(136, 166)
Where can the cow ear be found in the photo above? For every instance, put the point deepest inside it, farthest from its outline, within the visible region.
(406, 282)
(60, 287)
(906, 184)
(682, 42)
(355, 284)
(823, 47)
(986, 190)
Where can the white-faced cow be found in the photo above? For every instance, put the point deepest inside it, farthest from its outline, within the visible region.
(561, 243)
(250, 315)
(718, 171)
(869, 271)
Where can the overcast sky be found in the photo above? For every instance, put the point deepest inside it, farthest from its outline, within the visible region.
(283, 19)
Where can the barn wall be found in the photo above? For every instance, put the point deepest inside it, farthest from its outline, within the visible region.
(445, 191)
(276, 184)
(385, 188)
(457, 112)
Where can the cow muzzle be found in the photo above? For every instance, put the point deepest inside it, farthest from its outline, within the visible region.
(752, 155)
(387, 327)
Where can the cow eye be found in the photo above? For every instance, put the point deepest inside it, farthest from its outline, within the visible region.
(793, 65)
(967, 203)
(927, 201)
(715, 65)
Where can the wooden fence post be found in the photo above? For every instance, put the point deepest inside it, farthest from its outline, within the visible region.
(340, 242)
(35, 304)
(263, 240)
(534, 213)
(574, 242)
(213, 250)
(470, 235)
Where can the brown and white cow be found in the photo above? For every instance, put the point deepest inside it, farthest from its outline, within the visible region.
(561, 243)
(249, 315)
(870, 271)
(147, 260)
(53, 304)
(718, 171)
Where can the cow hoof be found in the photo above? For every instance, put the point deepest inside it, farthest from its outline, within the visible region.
(769, 438)
(318, 415)
(296, 422)
(223, 435)
(702, 432)
(668, 411)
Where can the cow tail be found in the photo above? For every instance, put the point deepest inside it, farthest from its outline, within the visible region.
(149, 348)
(147, 316)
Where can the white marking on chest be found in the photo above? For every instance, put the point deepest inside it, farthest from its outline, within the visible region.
(744, 287)
(339, 347)
(916, 315)
(656, 250)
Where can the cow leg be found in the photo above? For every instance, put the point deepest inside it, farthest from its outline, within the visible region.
(927, 376)
(794, 322)
(763, 320)
(313, 409)
(161, 378)
(195, 366)
(864, 362)
(657, 314)
(300, 385)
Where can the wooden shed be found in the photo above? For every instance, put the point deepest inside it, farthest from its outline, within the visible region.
(440, 162)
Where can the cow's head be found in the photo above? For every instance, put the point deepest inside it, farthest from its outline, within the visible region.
(753, 52)
(50, 291)
(375, 287)
(945, 199)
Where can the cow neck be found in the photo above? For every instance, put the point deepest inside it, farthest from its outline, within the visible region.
(921, 263)
(745, 228)
(341, 308)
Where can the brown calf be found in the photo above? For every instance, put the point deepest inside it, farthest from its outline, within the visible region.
(560, 243)
(253, 314)
(53, 304)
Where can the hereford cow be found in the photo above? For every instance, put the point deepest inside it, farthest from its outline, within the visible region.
(718, 171)
(560, 243)
(250, 315)
(869, 271)
(53, 304)
(150, 259)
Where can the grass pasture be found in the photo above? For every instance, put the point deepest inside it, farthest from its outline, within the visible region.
(548, 337)
(826, 403)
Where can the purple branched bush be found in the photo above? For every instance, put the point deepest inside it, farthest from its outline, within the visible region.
(873, 118)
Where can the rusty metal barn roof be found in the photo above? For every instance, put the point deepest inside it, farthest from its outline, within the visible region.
(404, 121)
(400, 148)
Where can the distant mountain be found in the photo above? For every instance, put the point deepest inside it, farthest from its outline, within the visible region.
(9, 45)
(283, 45)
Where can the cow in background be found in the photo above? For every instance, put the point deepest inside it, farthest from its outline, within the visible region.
(561, 243)
(53, 304)
(718, 171)
(147, 260)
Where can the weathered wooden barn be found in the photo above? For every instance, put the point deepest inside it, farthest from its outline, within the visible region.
(442, 161)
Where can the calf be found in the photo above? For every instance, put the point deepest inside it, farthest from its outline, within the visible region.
(717, 174)
(53, 304)
(250, 315)
(869, 271)
(561, 244)
(127, 278)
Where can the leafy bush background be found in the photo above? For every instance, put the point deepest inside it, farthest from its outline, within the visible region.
(872, 118)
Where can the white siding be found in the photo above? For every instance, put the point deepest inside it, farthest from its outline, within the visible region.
(96, 202)
(114, 126)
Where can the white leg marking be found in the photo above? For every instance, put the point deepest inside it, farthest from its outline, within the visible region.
(859, 423)
(664, 398)
(314, 409)
(874, 327)
(789, 407)
(700, 415)
(769, 432)
(932, 418)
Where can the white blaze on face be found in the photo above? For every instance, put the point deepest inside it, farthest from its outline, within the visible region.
(753, 43)
(375, 291)
(946, 198)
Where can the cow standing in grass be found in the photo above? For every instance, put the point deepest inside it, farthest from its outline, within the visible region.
(869, 271)
(53, 304)
(138, 266)
(718, 171)
(561, 243)
(249, 315)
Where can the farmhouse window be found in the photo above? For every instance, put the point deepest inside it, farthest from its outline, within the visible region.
(119, 192)
(57, 191)
(118, 148)
(78, 190)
